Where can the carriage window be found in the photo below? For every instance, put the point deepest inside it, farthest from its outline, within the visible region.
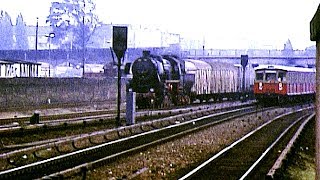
(281, 76)
(259, 76)
(270, 76)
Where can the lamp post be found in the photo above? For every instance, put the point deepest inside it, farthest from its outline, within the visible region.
(50, 36)
(83, 48)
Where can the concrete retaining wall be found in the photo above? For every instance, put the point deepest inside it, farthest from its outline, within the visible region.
(25, 92)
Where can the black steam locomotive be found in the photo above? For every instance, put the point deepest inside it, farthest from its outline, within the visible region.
(158, 80)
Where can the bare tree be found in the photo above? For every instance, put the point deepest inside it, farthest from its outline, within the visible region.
(21, 34)
(6, 31)
(73, 22)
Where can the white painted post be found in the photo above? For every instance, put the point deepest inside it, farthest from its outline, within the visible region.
(131, 107)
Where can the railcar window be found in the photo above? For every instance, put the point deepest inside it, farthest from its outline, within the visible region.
(259, 76)
(271, 76)
(281, 76)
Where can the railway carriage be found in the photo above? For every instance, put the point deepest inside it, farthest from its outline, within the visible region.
(213, 80)
(278, 84)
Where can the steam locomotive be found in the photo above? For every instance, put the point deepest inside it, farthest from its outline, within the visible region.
(167, 80)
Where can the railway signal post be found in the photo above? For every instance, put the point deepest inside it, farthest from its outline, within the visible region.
(119, 45)
(315, 36)
(244, 63)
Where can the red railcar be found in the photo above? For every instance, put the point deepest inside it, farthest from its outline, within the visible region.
(275, 83)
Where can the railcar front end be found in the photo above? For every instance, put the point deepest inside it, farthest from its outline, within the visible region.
(280, 84)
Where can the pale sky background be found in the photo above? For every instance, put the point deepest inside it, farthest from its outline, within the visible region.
(240, 24)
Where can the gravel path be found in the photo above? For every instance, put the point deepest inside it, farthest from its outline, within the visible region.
(173, 159)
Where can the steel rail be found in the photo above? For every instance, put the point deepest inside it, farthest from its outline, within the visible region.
(231, 146)
(37, 166)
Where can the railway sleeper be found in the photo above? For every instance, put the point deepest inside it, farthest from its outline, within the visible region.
(124, 132)
(111, 135)
(4, 164)
(187, 118)
(97, 138)
(199, 114)
(157, 124)
(165, 123)
(21, 159)
(179, 119)
(32, 154)
(172, 121)
(205, 113)
(46, 153)
(81, 142)
(147, 126)
(212, 111)
(136, 129)
(64, 147)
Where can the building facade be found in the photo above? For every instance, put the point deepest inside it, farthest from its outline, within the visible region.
(138, 37)
(13, 68)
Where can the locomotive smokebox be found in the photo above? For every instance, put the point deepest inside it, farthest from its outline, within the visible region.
(146, 53)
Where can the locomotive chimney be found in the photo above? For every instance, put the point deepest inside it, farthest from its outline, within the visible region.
(146, 53)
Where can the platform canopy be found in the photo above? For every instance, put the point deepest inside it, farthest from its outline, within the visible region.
(315, 26)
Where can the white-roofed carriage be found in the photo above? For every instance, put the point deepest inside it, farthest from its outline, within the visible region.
(280, 84)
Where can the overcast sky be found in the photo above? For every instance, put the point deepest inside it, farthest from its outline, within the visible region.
(221, 23)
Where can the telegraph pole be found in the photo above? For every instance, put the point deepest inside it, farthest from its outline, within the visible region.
(83, 47)
(36, 45)
(83, 38)
(315, 36)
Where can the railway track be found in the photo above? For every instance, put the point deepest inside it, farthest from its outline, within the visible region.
(156, 132)
(147, 128)
(11, 122)
(94, 114)
(256, 155)
(53, 143)
(94, 122)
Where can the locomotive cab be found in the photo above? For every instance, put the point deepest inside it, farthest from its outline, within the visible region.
(174, 83)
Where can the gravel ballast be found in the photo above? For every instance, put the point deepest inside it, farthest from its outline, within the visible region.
(173, 159)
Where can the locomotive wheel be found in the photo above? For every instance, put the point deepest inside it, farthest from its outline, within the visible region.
(166, 101)
(186, 100)
(180, 99)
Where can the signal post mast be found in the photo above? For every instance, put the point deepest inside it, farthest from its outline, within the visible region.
(244, 63)
(315, 36)
(119, 45)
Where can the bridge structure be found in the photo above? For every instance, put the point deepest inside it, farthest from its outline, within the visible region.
(305, 58)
